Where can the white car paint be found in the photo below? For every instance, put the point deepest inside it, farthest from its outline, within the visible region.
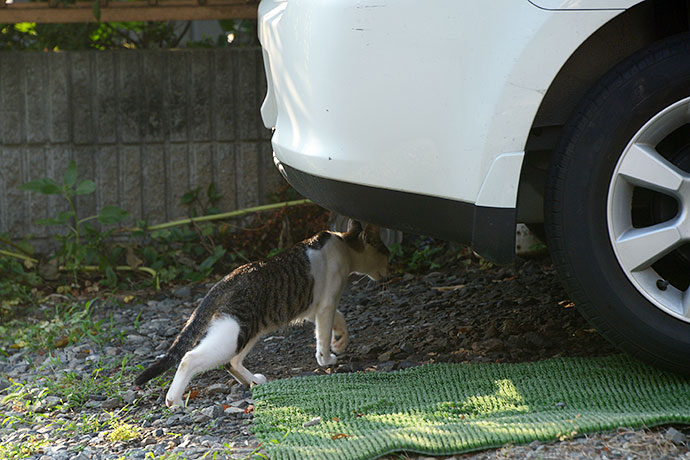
(361, 90)
(585, 4)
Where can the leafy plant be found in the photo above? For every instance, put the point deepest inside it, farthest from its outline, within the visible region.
(118, 35)
(202, 204)
(25, 449)
(66, 324)
(416, 256)
(75, 251)
(95, 35)
(16, 283)
(122, 431)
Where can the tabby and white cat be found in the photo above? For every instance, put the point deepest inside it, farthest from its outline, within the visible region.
(305, 282)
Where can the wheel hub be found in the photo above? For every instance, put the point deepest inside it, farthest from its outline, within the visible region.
(648, 207)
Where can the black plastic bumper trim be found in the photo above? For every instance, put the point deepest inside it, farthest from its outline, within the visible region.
(490, 231)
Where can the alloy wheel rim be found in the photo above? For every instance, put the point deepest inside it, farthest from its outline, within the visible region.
(639, 248)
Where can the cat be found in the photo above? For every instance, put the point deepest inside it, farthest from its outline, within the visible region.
(305, 282)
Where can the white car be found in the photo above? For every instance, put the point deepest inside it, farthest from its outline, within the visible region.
(460, 118)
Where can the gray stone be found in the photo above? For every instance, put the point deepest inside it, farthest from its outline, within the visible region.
(110, 404)
(386, 356)
(675, 436)
(492, 345)
(182, 292)
(51, 401)
(129, 396)
(214, 411)
(200, 418)
(148, 441)
(169, 332)
(386, 367)
(218, 388)
(312, 422)
(136, 338)
(232, 410)
(173, 420)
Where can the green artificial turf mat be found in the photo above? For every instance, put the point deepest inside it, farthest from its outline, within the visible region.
(453, 408)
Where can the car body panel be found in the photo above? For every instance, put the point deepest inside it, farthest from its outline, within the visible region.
(585, 4)
(412, 96)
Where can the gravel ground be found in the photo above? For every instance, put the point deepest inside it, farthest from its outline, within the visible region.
(463, 312)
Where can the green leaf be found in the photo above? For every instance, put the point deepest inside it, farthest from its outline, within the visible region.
(85, 187)
(190, 196)
(45, 186)
(207, 264)
(70, 175)
(212, 193)
(112, 215)
(161, 234)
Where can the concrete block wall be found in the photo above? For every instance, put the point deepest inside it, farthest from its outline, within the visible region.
(147, 126)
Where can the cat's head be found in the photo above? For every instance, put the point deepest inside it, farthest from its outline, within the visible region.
(371, 253)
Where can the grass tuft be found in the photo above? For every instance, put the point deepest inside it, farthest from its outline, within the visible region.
(122, 431)
(25, 449)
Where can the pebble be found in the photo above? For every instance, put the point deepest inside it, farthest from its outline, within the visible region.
(233, 410)
(312, 422)
(51, 401)
(384, 356)
(129, 397)
(675, 436)
(218, 388)
(200, 418)
(110, 404)
(493, 345)
(182, 292)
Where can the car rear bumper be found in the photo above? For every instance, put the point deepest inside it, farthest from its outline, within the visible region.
(490, 231)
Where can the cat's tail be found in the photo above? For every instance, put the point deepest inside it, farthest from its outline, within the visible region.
(189, 335)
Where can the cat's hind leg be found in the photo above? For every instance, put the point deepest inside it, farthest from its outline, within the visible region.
(339, 339)
(237, 369)
(216, 348)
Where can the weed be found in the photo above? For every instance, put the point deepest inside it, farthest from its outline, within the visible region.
(88, 423)
(418, 255)
(83, 244)
(24, 449)
(188, 250)
(200, 205)
(16, 284)
(67, 324)
(121, 431)
(74, 388)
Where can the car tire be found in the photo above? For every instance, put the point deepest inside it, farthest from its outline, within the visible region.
(617, 205)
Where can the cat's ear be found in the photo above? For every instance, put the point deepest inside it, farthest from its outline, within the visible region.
(371, 232)
(353, 226)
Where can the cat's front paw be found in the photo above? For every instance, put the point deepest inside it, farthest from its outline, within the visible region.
(326, 359)
(171, 401)
(258, 379)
